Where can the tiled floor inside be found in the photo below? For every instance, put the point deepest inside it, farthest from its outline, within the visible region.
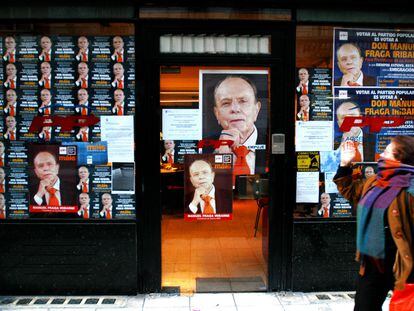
(213, 249)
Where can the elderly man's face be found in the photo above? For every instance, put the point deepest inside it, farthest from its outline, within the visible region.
(106, 199)
(45, 69)
(118, 70)
(10, 43)
(119, 96)
(83, 69)
(303, 75)
(2, 200)
(325, 198)
(11, 96)
(169, 144)
(83, 172)
(1, 148)
(10, 122)
(117, 42)
(236, 107)
(45, 166)
(84, 199)
(83, 43)
(11, 70)
(45, 95)
(83, 95)
(349, 60)
(346, 109)
(369, 171)
(304, 101)
(2, 175)
(201, 175)
(45, 43)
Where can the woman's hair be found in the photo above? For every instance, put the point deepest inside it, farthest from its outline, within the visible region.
(404, 149)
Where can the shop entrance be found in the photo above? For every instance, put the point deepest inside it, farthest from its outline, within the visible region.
(214, 177)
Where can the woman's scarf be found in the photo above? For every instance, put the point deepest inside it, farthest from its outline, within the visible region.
(391, 178)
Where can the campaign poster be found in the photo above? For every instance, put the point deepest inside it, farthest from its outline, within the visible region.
(52, 179)
(340, 206)
(208, 188)
(174, 151)
(64, 77)
(373, 58)
(90, 153)
(234, 108)
(314, 94)
(308, 161)
(376, 106)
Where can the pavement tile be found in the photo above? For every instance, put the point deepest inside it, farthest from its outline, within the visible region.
(255, 299)
(292, 298)
(307, 307)
(214, 301)
(165, 301)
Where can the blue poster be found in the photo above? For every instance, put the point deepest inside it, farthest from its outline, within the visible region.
(373, 58)
(91, 153)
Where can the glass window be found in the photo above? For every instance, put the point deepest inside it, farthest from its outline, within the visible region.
(353, 85)
(68, 103)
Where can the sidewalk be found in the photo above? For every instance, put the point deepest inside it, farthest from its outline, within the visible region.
(280, 301)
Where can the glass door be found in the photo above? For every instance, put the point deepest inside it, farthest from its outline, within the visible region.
(214, 154)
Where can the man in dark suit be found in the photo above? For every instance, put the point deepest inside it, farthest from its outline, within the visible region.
(206, 198)
(349, 60)
(236, 109)
(50, 189)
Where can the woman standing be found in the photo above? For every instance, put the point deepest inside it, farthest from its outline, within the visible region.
(385, 220)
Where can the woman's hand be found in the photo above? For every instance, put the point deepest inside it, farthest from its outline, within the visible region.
(348, 153)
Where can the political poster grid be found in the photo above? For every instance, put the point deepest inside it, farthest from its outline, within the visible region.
(60, 77)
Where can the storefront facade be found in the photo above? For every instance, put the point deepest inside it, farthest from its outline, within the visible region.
(92, 96)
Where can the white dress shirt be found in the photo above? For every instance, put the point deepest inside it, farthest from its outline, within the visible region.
(193, 208)
(39, 200)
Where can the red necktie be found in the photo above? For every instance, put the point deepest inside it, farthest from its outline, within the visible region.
(170, 158)
(305, 116)
(108, 214)
(11, 58)
(358, 156)
(84, 136)
(47, 57)
(1, 188)
(240, 166)
(120, 84)
(119, 57)
(47, 83)
(12, 136)
(85, 213)
(84, 84)
(84, 111)
(304, 89)
(46, 111)
(325, 212)
(2, 214)
(47, 135)
(1, 161)
(12, 111)
(120, 111)
(350, 83)
(84, 187)
(12, 85)
(84, 57)
(53, 200)
(208, 209)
